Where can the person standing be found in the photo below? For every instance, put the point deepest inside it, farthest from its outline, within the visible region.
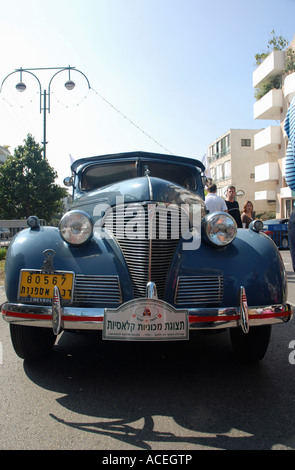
(233, 205)
(247, 215)
(289, 127)
(213, 202)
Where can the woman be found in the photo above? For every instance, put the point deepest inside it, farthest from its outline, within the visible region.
(247, 215)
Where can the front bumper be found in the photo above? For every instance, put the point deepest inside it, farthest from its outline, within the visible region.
(73, 318)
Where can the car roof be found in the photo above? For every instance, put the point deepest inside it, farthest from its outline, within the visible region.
(138, 155)
(276, 221)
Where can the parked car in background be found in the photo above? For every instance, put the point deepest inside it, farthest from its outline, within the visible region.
(277, 230)
(4, 233)
(138, 258)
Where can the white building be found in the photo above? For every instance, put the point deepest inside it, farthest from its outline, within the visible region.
(4, 153)
(232, 159)
(272, 140)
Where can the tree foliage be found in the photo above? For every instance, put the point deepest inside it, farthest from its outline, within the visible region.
(289, 61)
(27, 184)
(272, 83)
(276, 43)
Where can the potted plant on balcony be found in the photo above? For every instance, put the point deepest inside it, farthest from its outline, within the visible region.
(289, 62)
(276, 43)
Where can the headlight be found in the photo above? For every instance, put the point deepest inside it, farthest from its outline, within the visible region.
(76, 227)
(256, 225)
(219, 228)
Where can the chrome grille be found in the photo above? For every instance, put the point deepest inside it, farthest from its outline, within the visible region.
(196, 290)
(148, 236)
(97, 290)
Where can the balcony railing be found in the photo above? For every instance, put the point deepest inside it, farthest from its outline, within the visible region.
(222, 153)
(289, 86)
(267, 172)
(273, 65)
(269, 106)
(268, 139)
(266, 195)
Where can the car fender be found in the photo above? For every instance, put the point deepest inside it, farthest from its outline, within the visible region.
(252, 260)
(100, 256)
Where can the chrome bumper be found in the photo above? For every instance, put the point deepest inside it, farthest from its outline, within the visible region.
(73, 318)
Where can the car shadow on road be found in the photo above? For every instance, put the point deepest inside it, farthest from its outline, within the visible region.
(122, 390)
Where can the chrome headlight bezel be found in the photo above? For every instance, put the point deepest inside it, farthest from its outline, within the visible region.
(76, 227)
(219, 228)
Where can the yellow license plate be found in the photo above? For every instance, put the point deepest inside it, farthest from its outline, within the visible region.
(35, 285)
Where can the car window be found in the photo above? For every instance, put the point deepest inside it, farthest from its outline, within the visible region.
(179, 174)
(96, 176)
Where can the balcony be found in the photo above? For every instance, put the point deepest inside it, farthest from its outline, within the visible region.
(266, 195)
(267, 172)
(269, 106)
(289, 86)
(269, 139)
(287, 193)
(273, 65)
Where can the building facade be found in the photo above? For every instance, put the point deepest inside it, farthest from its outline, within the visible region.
(232, 159)
(272, 140)
(4, 153)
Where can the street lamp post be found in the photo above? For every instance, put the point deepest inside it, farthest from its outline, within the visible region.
(21, 87)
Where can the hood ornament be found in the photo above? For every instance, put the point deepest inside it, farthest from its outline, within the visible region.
(48, 262)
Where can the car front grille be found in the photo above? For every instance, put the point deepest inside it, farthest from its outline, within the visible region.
(199, 290)
(148, 235)
(97, 290)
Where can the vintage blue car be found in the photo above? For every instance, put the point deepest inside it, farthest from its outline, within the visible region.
(138, 258)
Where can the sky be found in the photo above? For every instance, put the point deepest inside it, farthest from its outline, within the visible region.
(166, 76)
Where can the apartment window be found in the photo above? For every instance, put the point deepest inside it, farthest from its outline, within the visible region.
(246, 142)
(225, 145)
(227, 169)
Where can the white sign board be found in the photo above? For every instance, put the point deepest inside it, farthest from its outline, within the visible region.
(145, 320)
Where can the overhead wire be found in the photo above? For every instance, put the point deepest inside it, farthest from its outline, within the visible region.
(81, 101)
(129, 120)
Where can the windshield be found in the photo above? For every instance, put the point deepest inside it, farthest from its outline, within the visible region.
(97, 176)
(179, 174)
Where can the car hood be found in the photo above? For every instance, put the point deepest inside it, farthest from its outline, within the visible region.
(137, 190)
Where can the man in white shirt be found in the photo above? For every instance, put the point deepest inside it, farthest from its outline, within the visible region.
(213, 202)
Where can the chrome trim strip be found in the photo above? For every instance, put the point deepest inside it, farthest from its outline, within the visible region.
(92, 318)
(244, 311)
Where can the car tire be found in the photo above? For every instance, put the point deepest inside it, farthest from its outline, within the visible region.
(250, 348)
(31, 342)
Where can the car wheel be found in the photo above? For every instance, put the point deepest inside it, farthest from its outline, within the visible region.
(31, 342)
(251, 347)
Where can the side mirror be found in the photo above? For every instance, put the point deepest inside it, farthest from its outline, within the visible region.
(68, 181)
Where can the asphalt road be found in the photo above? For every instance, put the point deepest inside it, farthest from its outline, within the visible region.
(104, 395)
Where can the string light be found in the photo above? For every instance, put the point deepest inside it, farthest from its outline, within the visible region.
(66, 105)
(106, 101)
(20, 105)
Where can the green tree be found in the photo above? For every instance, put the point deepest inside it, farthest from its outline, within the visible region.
(289, 61)
(27, 184)
(276, 43)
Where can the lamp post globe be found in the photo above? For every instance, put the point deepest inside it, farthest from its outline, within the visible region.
(70, 85)
(20, 87)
